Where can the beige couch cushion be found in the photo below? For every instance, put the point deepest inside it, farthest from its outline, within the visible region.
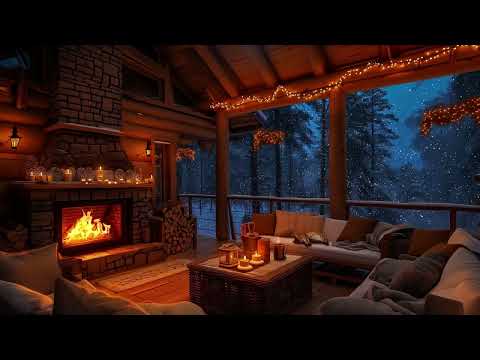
(460, 280)
(17, 299)
(78, 299)
(288, 223)
(36, 269)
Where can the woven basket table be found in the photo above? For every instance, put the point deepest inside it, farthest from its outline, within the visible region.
(275, 288)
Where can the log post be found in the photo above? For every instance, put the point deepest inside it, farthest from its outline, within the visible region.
(337, 156)
(172, 172)
(223, 178)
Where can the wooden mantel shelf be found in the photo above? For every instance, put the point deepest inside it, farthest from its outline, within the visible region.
(77, 185)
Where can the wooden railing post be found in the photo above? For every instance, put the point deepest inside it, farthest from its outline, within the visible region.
(453, 220)
(230, 215)
(223, 174)
(337, 164)
(190, 206)
(270, 204)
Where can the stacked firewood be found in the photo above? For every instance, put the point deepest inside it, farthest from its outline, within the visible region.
(14, 238)
(178, 229)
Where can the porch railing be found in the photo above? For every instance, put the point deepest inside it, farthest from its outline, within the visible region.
(269, 203)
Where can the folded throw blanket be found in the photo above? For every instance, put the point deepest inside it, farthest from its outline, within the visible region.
(356, 246)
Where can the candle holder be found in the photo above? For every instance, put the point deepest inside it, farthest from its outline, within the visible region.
(256, 259)
(228, 255)
(279, 251)
(244, 264)
(263, 248)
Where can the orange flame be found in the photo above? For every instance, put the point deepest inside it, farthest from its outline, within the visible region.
(86, 230)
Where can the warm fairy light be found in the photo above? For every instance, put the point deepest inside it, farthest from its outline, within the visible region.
(185, 153)
(372, 66)
(443, 115)
(86, 229)
(264, 136)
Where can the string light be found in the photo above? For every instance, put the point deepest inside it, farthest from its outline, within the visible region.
(185, 153)
(444, 115)
(308, 95)
(264, 136)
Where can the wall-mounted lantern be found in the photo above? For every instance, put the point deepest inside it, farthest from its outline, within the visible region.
(148, 149)
(14, 138)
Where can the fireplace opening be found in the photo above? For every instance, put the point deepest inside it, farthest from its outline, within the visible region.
(90, 226)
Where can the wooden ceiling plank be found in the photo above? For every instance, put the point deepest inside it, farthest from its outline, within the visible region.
(221, 72)
(319, 60)
(266, 69)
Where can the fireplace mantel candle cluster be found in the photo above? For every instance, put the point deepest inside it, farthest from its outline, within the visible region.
(87, 176)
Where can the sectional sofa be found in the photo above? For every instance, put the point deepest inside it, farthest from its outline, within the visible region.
(457, 291)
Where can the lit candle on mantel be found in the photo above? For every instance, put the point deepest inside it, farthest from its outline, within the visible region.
(100, 174)
(68, 175)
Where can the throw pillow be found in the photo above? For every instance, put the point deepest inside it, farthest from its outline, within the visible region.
(317, 238)
(74, 299)
(422, 240)
(305, 223)
(264, 223)
(463, 238)
(376, 235)
(16, 299)
(333, 228)
(36, 269)
(393, 244)
(420, 276)
(357, 228)
(284, 223)
(301, 239)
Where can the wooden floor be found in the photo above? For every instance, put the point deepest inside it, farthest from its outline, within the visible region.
(173, 288)
(176, 287)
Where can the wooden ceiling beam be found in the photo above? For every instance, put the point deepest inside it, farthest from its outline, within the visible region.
(466, 61)
(385, 52)
(219, 69)
(264, 66)
(319, 60)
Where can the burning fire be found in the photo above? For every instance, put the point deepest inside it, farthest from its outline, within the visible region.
(86, 229)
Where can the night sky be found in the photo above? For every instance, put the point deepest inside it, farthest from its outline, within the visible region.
(406, 99)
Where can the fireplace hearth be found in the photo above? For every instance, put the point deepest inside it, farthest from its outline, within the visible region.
(88, 226)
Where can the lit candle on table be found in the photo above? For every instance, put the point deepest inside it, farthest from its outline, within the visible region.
(32, 176)
(244, 262)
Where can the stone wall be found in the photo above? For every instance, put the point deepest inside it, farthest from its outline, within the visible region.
(41, 207)
(79, 149)
(89, 86)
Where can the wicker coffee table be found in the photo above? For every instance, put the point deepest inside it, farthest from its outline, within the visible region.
(275, 288)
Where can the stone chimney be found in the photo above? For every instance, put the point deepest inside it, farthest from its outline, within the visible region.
(86, 119)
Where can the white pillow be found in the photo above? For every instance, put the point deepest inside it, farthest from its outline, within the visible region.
(79, 299)
(460, 281)
(333, 228)
(16, 299)
(36, 269)
(180, 308)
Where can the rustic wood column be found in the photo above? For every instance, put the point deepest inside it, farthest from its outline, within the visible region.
(172, 171)
(337, 165)
(223, 176)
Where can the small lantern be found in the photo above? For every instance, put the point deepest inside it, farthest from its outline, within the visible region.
(148, 149)
(14, 138)
(228, 255)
